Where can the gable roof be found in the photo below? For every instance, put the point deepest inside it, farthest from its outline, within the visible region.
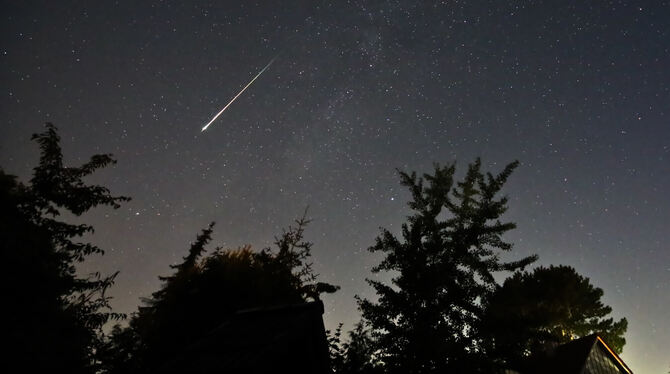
(589, 354)
(283, 338)
(610, 354)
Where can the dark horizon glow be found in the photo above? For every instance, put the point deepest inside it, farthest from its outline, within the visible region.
(577, 91)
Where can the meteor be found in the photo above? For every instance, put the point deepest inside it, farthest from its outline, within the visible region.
(238, 95)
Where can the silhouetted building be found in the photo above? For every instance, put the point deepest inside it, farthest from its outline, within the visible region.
(282, 339)
(588, 355)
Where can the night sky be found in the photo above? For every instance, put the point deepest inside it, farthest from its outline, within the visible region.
(577, 91)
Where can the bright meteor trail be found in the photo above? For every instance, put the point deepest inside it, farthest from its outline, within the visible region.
(238, 95)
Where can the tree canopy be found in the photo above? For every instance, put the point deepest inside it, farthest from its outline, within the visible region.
(205, 289)
(550, 305)
(442, 267)
(443, 310)
(356, 354)
(59, 314)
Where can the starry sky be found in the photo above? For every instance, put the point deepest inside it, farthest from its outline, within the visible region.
(577, 91)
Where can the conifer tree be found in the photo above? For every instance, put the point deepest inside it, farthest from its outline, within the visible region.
(549, 305)
(426, 321)
(356, 355)
(206, 289)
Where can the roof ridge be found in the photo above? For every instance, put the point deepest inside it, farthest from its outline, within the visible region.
(616, 356)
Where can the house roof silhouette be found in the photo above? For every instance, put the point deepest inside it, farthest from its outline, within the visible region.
(588, 355)
(286, 338)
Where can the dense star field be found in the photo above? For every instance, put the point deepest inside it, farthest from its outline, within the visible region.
(578, 92)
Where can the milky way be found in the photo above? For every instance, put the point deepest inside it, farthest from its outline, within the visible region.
(577, 91)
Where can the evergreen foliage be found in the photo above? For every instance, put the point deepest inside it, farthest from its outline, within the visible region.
(442, 312)
(206, 289)
(58, 316)
(428, 319)
(356, 355)
(550, 305)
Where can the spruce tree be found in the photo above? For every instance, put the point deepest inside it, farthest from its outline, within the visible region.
(426, 321)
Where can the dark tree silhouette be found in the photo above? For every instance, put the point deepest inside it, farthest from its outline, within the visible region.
(427, 320)
(354, 356)
(205, 290)
(553, 305)
(57, 315)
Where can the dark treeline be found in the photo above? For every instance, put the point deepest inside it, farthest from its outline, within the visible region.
(56, 316)
(442, 312)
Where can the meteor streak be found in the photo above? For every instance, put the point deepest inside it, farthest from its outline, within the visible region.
(240, 93)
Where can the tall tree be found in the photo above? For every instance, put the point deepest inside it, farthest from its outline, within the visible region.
(443, 266)
(206, 289)
(57, 314)
(550, 305)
